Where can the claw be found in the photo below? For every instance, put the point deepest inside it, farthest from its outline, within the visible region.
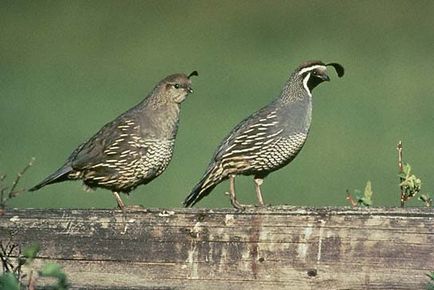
(235, 202)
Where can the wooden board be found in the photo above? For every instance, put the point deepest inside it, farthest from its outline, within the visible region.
(273, 248)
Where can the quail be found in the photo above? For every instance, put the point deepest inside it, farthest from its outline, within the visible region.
(268, 139)
(134, 148)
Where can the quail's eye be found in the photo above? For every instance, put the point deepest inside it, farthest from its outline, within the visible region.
(177, 86)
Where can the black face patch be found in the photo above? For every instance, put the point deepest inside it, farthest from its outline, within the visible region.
(313, 81)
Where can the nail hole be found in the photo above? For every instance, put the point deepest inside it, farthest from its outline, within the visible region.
(312, 273)
(200, 217)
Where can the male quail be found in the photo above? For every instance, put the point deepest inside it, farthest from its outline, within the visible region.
(268, 139)
(132, 149)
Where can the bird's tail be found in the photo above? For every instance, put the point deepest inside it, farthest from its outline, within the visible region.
(58, 176)
(210, 180)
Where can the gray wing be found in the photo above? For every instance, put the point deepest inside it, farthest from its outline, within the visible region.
(273, 132)
(254, 132)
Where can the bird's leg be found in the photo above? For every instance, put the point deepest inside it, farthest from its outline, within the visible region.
(121, 204)
(231, 193)
(258, 183)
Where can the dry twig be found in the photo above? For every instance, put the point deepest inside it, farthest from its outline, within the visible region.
(399, 147)
(5, 194)
(351, 199)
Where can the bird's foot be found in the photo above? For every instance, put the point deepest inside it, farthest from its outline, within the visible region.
(236, 204)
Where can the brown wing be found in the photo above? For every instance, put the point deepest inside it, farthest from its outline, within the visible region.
(104, 144)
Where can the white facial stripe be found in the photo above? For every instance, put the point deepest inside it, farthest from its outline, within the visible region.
(306, 69)
(305, 80)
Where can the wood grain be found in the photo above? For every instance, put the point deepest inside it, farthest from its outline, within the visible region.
(274, 248)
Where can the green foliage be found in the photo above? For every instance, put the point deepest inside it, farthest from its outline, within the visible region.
(12, 278)
(31, 252)
(426, 198)
(411, 185)
(55, 271)
(430, 285)
(8, 281)
(366, 198)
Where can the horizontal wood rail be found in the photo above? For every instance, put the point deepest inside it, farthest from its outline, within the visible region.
(271, 248)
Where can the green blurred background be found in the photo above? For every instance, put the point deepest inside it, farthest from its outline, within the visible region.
(68, 67)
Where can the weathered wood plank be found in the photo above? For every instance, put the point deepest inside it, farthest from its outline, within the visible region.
(278, 247)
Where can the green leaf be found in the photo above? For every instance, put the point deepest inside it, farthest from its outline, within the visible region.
(31, 252)
(406, 169)
(368, 202)
(430, 285)
(55, 271)
(411, 183)
(366, 199)
(368, 190)
(8, 281)
(426, 198)
(51, 270)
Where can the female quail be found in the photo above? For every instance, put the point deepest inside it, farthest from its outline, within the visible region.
(132, 149)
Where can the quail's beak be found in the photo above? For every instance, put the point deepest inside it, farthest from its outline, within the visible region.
(189, 90)
(324, 77)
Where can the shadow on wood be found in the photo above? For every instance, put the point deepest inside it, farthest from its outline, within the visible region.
(273, 248)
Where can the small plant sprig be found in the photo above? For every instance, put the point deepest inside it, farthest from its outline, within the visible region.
(13, 277)
(430, 285)
(410, 184)
(13, 259)
(55, 271)
(426, 198)
(7, 250)
(364, 199)
(6, 192)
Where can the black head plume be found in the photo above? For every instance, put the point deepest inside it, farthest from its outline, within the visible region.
(193, 73)
(339, 68)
